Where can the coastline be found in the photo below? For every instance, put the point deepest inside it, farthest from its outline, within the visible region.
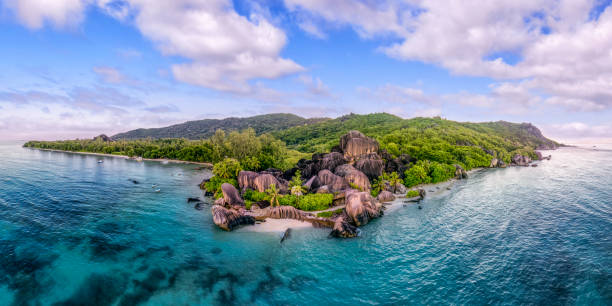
(161, 160)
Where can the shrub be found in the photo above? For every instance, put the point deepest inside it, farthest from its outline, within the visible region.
(288, 200)
(255, 196)
(327, 214)
(412, 193)
(354, 186)
(315, 201)
(440, 172)
(214, 185)
(416, 175)
(227, 168)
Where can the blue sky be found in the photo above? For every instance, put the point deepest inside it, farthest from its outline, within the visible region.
(78, 68)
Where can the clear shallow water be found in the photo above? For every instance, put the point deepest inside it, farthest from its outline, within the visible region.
(74, 231)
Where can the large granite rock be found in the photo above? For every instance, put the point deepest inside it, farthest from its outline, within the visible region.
(385, 196)
(371, 165)
(497, 163)
(334, 182)
(320, 162)
(355, 144)
(285, 212)
(263, 182)
(361, 207)
(230, 195)
(354, 176)
(228, 219)
(343, 229)
(246, 179)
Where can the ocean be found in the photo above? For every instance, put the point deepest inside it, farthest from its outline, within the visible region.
(77, 232)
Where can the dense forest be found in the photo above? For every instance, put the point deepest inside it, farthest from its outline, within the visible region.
(202, 129)
(435, 143)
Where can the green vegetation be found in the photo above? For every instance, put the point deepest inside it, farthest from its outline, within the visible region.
(202, 129)
(378, 184)
(273, 195)
(214, 185)
(227, 168)
(354, 186)
(412, 193)
(295, 185)
(251, 151)
(307, 202)
(425, 172)
(327, 214)
(434, 139)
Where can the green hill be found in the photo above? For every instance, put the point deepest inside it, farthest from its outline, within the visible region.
(435, 139)
(201, 129)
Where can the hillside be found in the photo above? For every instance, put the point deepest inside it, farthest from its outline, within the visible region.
(201, 129)
(433, 139)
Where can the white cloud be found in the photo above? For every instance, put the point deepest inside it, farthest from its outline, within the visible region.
(225, 50)
(34, 14)
(110, 75)
(553, 49)
(315, 87)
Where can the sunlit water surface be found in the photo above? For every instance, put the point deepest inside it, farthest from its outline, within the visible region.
(75, 231)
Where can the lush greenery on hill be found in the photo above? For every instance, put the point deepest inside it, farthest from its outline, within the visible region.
(432, 139)
(202, 129)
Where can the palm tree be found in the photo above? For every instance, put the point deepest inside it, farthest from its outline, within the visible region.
(394, 180)
(273, 195)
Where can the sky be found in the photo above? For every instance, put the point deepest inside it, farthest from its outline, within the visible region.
(79, 68)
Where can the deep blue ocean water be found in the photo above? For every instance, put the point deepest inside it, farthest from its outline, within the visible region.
(73, 231)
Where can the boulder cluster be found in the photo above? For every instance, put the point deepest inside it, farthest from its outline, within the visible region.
(345, 172)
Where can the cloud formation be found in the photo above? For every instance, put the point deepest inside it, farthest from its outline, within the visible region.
(559, 50)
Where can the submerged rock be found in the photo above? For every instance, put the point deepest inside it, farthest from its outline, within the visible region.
(228, 219)
(231, 195)
(286, 235)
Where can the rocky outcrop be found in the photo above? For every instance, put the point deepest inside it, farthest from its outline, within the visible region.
(246, 179)
(230, 195)
(520, 160)
(354, 177)
(497, 163)
(385, 196)
(228, 219)
(285, 212)
(321, 162)
(371, 165)
(343, 229)
(355, 144)
(308, 184)
(103, 137)
(361, 207)
(460, 173)
(263, 182)
(334, 182)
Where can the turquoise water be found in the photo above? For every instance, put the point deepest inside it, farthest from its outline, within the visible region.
(73, 231)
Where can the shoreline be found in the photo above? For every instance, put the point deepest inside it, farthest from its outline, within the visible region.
(160, 160)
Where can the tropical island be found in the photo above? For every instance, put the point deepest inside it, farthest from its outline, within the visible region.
(335, 173)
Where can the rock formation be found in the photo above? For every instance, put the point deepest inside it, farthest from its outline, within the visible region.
(334, 182)
(361, 207)
(371, 165)
(343, 229)
(246, 179)
(263, 182)
(355, 144)
(520, 160)
(354, 177)
(230, 195)
(285, 212)
(460, 173)
(228, 219)
(385, 196)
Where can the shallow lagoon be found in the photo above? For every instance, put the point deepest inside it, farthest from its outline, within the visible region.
(75, 231)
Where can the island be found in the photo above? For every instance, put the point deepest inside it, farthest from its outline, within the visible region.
(334, 173)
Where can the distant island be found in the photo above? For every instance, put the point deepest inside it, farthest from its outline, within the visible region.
(334, 173)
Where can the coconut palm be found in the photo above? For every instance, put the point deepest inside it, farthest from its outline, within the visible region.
(274, 195)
